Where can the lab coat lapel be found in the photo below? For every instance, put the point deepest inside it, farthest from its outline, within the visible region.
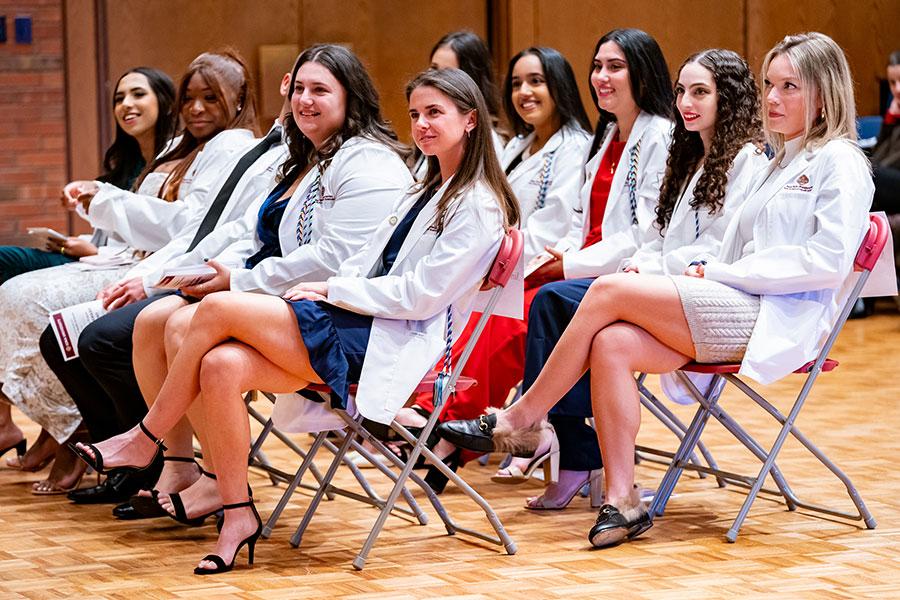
(421, 224)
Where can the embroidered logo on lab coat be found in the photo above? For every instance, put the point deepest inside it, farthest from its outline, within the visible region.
(801, 184)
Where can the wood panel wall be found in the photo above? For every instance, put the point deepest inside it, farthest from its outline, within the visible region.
(393, 37)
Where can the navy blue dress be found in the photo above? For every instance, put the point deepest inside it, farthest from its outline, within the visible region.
(336, 339)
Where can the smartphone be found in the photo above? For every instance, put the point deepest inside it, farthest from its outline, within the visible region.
(46, 232)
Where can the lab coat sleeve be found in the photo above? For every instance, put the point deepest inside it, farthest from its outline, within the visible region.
(147, 222)
(457, 263)
(369, 182)
(823, 260)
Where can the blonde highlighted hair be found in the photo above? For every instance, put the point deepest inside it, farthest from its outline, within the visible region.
(825, 77)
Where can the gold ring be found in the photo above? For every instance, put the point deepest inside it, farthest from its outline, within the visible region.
(62, 251)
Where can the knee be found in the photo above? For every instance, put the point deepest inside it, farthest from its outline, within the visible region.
(150, 323)
(219, 367)
(611, 346)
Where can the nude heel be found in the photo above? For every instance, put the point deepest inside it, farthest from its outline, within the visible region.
(551, 464)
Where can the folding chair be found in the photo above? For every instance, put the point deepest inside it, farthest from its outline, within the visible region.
(866, 257)
(442, 384)
(258, 459)
(659, 410)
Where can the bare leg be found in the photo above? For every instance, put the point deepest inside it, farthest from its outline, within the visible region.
(225, 373)
(616, 353)
(151, 365)
(648, 301)
(220, 317)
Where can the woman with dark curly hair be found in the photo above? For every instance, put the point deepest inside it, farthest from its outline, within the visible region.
(716, 153)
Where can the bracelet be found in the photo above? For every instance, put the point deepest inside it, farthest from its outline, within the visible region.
(697, 262)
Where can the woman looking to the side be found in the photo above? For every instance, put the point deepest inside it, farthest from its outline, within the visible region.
(424, 266)
(788, 251)
(543, 164)
(219, 122)
(144, 110)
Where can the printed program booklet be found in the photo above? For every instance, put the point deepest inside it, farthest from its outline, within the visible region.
(175, 278)
(68, 323)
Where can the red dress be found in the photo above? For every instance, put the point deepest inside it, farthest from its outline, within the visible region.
(498, 359)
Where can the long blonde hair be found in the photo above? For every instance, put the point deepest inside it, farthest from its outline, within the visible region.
(825, 76)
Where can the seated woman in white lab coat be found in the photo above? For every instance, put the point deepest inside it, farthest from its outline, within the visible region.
(543, 164)
(344, 172)
(788, 251)
(425, 264)
(217, 125)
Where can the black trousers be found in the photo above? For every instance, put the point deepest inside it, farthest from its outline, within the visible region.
(101, 380)
(551, 311)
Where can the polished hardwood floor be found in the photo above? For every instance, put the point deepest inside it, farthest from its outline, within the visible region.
(50, 548)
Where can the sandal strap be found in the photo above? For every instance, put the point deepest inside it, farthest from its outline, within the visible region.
(238, 505)
(215, 558)
(209, 474)
(183, 459)
(153, 438)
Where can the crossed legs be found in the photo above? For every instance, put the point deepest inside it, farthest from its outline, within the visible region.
(625, 323)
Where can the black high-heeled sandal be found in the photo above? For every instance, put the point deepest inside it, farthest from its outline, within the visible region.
(148, 506)
(181, 514)
(21, 446)
(250, 542)
(96, 462)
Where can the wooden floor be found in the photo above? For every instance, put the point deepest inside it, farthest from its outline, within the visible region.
(50, 548)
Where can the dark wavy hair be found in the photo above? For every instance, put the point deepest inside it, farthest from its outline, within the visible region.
(363, 111)
(224, 70)
(648, 74)
(560, 83)
(123, 161)
(479, 161)
(738, 122)
(474, 59)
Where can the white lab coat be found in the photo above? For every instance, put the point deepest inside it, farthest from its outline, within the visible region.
(680, 245)
(253, 184)
(410, 303)
(566, 149)
(805, 238)
(358, 189)
(148, 222)
(620, 237)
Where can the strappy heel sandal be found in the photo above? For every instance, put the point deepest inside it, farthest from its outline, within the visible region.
(148, 506)
(181, 514)
(249, 541)
(96, 462)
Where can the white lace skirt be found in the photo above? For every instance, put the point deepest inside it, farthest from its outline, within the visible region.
(26, 302)
(721, 318)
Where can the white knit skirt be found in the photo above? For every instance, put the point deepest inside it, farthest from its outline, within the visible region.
(720, 318)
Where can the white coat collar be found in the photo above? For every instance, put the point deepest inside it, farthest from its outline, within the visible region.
(683, 207)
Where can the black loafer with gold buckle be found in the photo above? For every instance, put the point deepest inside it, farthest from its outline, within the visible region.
(472, 434)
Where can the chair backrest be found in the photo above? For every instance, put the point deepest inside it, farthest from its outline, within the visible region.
(873, 244)
(506, 260)
(868, 127)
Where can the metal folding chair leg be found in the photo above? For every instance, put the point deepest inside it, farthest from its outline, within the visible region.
(295, 481)
(676, 426)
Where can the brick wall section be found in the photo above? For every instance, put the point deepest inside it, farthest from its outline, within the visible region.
(32, 121)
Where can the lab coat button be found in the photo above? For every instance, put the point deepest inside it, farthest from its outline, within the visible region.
(393, 220)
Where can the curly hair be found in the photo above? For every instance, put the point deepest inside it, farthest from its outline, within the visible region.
(738, 122)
